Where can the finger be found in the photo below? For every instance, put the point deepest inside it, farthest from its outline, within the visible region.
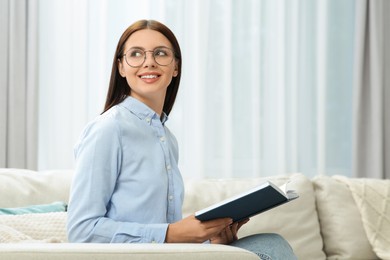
(241, 223)
(234, 230)
(229, 234)
(220, 222)
(220, 238)
(215, 227)
(218, 231)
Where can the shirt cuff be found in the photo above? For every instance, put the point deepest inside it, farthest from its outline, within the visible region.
(155, 233)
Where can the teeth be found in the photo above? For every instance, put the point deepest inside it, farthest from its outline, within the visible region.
(148, 76)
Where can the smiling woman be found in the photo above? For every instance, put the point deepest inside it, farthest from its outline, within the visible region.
(128, 153)
(267, 86)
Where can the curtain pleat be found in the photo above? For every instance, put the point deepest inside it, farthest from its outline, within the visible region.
(371, 146)
(4, 45)
(19, 85)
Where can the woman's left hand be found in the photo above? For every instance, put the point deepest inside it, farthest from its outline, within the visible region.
(229, 234)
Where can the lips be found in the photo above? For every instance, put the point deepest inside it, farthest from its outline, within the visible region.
(149, 76)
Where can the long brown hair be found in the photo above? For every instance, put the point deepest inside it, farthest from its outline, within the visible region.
(118, 88)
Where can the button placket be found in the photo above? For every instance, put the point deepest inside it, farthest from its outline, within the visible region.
(168, 167)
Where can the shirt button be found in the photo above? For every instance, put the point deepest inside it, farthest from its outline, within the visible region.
(170, 197)
(147, 119)
(162, 138)
(168, 167)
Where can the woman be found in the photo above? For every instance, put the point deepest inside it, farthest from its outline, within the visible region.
(127, 186)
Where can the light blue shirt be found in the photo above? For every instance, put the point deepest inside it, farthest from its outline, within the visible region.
(127, 186)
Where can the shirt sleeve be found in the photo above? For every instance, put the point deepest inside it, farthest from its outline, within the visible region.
(98, 162)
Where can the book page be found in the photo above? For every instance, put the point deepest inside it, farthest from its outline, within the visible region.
(283, 188)
(290, 194)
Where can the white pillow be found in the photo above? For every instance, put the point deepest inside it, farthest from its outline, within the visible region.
(372, 197)
(296, 221)
(20, 188)
(340, 220)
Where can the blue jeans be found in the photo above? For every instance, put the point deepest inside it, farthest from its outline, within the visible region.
(267, 246)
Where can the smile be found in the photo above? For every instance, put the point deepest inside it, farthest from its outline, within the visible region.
(149, 76)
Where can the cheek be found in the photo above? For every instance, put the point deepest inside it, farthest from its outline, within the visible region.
(131, 80)
(130, 75)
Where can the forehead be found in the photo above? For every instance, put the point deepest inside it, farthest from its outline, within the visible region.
(147, 39)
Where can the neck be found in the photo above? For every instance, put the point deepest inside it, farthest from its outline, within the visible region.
(155, 103)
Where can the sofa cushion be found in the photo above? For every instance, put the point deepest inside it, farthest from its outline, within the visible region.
(340, 220)
(33, 188)
(372, 197)
(296, 221)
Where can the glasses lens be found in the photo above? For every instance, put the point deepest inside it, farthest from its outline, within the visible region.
(135, 57)
(163, 56)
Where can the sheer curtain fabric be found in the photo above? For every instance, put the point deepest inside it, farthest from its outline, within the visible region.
(266, 86)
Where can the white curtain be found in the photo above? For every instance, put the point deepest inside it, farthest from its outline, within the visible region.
(18, 83)
(371, 151)
(266, 86)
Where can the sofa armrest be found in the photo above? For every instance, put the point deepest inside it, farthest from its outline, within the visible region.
(71, 251)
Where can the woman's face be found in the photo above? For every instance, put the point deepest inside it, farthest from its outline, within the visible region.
(149, 81)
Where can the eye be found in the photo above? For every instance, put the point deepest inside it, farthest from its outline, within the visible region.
(160, 52)
(136, 53)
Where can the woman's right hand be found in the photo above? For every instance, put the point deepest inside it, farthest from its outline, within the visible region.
(192, 230)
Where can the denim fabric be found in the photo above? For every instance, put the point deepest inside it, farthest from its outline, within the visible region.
(267, 246)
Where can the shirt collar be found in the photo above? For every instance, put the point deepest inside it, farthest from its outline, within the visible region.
(141, 110)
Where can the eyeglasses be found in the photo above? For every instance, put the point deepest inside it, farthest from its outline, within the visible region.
(135, 57)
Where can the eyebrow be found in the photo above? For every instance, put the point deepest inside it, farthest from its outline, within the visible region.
(142, 48)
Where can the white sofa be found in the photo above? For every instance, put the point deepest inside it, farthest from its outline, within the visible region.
(330, 220)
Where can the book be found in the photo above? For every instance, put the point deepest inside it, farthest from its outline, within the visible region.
(248, 204)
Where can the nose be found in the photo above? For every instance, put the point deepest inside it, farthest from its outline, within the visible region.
(149, 59)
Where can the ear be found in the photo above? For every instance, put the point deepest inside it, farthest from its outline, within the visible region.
(175, 72)
(121, 69)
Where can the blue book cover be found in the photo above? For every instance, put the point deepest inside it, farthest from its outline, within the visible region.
(250, 203)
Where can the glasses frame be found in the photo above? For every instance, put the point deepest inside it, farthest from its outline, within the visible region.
(154, 58)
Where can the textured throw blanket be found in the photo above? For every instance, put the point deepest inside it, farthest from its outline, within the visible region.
(372, 198)
(36, 227)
